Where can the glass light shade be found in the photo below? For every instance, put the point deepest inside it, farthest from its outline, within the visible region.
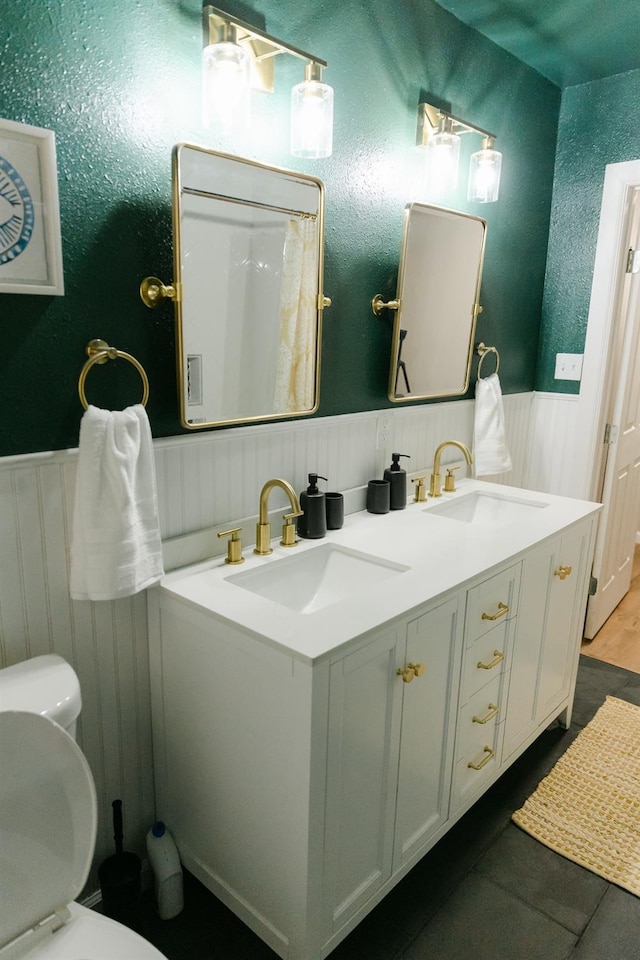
(484, 176)
(226, 87)
(311, 119)
(443, 154)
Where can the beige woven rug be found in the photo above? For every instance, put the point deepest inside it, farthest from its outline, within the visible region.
(588, 807)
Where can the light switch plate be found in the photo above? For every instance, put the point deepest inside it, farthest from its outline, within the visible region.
(568, 366)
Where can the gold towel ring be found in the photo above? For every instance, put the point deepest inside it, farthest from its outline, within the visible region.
(99, 351)
(482, 351)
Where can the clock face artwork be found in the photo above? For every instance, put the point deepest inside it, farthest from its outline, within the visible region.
(16, 213)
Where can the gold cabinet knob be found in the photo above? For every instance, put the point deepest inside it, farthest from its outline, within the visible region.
(411, 671)
(234, 547)
(562, 572)
(407, 673)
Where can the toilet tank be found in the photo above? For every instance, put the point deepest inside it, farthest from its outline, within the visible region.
(47, 685)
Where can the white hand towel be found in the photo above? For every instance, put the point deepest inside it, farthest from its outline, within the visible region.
(116, 549)
(490, 452)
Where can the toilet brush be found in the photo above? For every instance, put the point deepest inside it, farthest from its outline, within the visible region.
(119, 876)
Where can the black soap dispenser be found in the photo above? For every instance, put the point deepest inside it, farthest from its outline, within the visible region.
(397, 478)
(313, 523)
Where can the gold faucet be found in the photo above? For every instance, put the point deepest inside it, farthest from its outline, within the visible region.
(435, 484)
(263, 527)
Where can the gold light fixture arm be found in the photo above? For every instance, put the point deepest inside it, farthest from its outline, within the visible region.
(261, 46)
(430, 118)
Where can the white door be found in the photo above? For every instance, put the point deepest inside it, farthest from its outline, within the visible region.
(613, 561)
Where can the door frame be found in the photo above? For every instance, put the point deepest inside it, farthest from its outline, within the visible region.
(595, 389)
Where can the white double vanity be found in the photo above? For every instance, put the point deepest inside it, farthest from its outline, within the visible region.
(324, 714)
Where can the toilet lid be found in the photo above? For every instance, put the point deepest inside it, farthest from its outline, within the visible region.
(48, 819)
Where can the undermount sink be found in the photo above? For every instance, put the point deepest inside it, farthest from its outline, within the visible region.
(321, 576)
(486, 509)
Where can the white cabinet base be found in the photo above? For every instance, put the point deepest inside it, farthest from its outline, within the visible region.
(300, 792)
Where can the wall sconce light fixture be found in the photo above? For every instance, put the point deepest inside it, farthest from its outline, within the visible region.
(439, 132)
(238, 57)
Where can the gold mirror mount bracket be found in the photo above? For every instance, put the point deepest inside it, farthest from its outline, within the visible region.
(154, 291)
(323, 302)
(378, 304)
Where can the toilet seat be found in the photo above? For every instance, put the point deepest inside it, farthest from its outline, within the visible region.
(90, 936)
(48, 823)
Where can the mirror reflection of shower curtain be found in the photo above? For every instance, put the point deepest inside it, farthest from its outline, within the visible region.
(295, 377)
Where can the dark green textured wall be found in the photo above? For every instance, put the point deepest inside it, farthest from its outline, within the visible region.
(119, 84)
(598, 126)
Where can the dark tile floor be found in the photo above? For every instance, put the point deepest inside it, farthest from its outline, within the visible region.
(487, 891)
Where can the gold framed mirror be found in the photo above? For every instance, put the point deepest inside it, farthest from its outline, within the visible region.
(437, 305)
(248, 265)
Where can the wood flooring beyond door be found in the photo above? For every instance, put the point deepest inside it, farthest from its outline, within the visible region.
(618, 640)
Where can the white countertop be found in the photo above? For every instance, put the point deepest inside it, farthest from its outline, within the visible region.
(441, 554)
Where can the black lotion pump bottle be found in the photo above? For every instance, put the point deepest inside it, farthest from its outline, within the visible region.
(313, 523)
(397, 478)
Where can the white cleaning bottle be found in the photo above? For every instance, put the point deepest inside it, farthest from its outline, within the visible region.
(167, 871)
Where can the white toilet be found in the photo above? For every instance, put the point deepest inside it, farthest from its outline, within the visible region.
(48, 820)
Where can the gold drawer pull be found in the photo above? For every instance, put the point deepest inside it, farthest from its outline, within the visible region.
(489, 756)
(498, 656)
(418, 668)
(502, 609)
(562, 572)
(493, 712)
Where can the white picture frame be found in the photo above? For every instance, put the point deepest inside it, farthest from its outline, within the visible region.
(30, 238)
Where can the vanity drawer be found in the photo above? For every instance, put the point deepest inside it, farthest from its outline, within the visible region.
(479, 716)
(485, 660)
(492, 601)
(472, 773)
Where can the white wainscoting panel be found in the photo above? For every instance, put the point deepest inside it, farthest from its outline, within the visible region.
(203, 480)
(559, 453)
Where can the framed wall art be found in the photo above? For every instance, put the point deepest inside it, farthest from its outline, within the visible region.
(30, 241)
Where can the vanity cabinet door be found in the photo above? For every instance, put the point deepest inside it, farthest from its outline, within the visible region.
(567, 597)
(549, 631)
(524, 685)
(365, 702)
(428, 724)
